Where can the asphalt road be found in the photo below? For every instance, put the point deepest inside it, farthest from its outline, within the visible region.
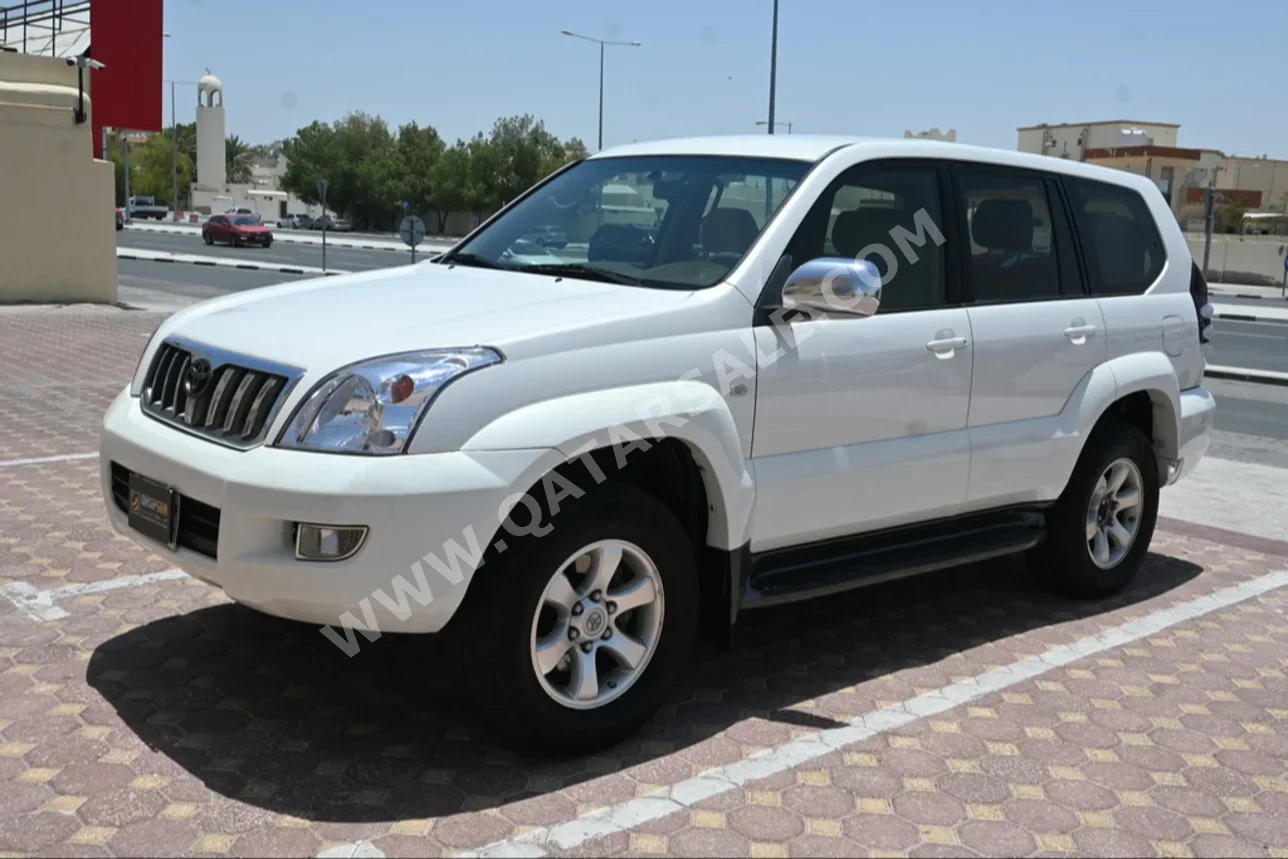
(1257, 345)
(282, 253)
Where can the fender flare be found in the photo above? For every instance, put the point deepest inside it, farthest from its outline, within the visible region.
(687, 410)
(1148, 372)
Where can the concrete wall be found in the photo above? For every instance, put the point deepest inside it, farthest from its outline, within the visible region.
(1242, 259)
(57, 227)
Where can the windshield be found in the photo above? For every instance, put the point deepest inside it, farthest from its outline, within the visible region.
(670, 221)
(246, 221)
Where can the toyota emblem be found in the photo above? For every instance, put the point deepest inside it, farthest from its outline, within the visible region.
(197, 377)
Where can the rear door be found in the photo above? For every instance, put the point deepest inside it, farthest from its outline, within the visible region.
(1037, 333)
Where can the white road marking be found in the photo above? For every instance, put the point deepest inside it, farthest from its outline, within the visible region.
(688, 793)
(41, 605)
(66, 457)
(357, 850)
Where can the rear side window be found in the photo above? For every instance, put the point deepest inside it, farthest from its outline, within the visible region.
(1012, 240)
(1119, 237)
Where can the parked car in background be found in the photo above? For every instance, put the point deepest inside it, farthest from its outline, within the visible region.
(547, 236)
(236, 230)
(333, 224)
(298, 221)
(144, 208)
(120, 218)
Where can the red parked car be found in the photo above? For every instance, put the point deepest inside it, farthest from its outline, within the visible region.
(236, 230)
(120, 218)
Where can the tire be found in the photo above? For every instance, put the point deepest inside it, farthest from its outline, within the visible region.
(498, 667)
(207, 238)
(268, 244)
(1064, 560)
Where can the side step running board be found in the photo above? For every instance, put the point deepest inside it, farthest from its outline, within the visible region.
(799, 573)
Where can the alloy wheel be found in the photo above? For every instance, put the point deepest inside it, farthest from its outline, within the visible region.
(597, 624)
(1114, 514)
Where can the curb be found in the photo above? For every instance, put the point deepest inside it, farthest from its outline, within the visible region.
(1245, 374)
(245, 266)
(343, 243)
(1248, 317)
(1223, 294)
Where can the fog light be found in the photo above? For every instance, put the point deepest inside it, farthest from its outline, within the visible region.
(328, 542)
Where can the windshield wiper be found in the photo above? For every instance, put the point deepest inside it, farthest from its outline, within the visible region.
(581, 269)
(471, 259)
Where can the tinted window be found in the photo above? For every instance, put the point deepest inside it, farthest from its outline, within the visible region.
(678, 222)
(890, 216)
(246, 221)
(1012, 242)
(1121, 242)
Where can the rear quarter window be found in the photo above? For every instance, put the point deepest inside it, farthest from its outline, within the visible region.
(1121, 243)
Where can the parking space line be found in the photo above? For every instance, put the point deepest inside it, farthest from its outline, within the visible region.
(38, 460)
(41, 605)
(683, 796)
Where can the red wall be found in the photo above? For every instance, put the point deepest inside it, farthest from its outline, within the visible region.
(125, 35)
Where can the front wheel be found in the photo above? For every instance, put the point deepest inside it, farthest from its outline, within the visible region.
(1100, 529)
(574, 640)
(207, 238)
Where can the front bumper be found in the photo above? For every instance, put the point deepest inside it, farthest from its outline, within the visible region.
(444, 505)
(1198, 411)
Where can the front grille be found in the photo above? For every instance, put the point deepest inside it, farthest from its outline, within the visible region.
(234, 405)
(198, 522)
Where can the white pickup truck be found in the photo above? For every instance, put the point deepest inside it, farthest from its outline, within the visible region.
(833, 362)
(144, 208)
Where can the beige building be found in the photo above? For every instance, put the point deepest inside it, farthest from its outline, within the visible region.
(57, 234)
(1072, 139)
(1151, 149)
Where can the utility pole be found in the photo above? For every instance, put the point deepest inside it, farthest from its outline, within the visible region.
(773, 67)
(174, 152)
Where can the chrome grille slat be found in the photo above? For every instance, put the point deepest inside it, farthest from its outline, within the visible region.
(180, 395)
(160, 370)
(171, 381)
(235, 413)
(234, 408)
(255, 416)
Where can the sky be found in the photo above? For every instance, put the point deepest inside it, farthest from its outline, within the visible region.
(858, 67)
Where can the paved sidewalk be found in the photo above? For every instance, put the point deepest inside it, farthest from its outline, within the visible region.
(968, 713)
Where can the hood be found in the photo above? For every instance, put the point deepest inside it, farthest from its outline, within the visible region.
(329, 322)
(251, 228)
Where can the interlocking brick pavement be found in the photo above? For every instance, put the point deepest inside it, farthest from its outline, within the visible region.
(161, 719)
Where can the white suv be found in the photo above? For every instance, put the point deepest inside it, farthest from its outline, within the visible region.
(796, 366)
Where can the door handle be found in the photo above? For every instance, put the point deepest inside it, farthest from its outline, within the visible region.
(947, 345)
(1079, 333)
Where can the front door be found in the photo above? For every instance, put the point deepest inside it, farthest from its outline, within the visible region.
(861, 423)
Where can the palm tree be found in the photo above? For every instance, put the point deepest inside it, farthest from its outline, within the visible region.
(238, 157)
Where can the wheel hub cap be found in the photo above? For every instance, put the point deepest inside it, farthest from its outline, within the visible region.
(597, 624)
(1114, 514)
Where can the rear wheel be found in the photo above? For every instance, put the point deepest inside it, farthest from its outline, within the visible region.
(207, 238)
(574, 640)
(1100, 529)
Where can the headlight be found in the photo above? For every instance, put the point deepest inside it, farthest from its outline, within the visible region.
(374, 406)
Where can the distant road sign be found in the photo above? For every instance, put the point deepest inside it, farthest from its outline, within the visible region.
(412, 230)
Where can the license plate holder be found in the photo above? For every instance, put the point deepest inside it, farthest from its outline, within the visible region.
(154, 510)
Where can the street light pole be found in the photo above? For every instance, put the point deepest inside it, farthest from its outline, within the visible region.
(602, 43)
(174, 152)
(773, 68)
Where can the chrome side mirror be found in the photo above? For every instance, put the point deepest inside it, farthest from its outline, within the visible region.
(834, 286)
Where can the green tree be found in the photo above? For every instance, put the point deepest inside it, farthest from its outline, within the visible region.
(238, 158)
(1229, 217)
(150, 166)
(419, 150)
(450, 183)
(187, 139)
(358, 157)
